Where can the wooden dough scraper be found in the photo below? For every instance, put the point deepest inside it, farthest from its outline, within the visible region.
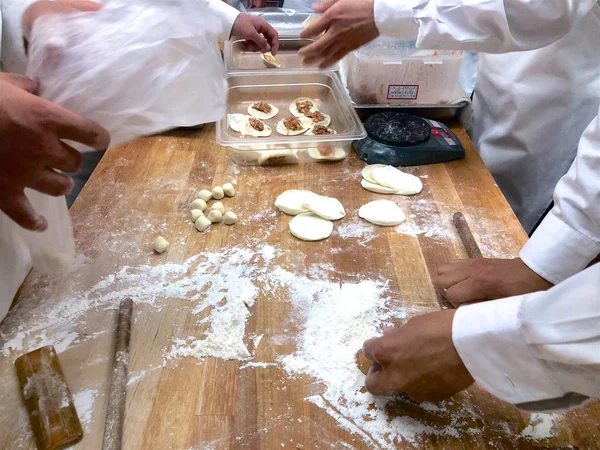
(49, 402)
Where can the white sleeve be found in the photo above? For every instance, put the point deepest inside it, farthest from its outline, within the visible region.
(568, 239)
(227, 14)
(490, 26)
(541, 348)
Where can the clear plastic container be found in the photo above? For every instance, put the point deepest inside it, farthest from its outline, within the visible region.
(281, 89)
(393, 72)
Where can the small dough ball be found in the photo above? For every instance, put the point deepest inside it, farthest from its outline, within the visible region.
(229, 218)
(205, 195)
(161, 245)
(228, 189)
(195, 214)
(202, 223)
(214, 215)
(218, 206)
(218, 193)
(199, 204)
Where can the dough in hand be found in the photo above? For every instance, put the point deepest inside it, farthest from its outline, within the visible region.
(218, 206)
(229, 218)
(228, 189)
(161, 244)
(217, 193)
(205, 195)
(199, 204)
(195, 214)
(214, 215)
(382, 212)
(326, 207)
(310, 227)
(292, 201)
(202, 223)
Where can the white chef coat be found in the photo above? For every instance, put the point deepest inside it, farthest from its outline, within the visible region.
(15, 254)
(540, 351)
(530, 108)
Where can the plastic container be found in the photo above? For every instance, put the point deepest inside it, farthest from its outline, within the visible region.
(281, 89)
(393, 72)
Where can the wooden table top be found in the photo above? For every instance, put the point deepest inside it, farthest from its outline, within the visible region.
(144, 189)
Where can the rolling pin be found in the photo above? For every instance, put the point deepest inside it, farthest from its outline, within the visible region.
(48, 400)
(466, 237)
(115, 411)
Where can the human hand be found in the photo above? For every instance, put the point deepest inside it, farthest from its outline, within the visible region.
(471, 280)
(261, 36)
(348, 25)
(418, 358)
(31, 151)
(44, 7)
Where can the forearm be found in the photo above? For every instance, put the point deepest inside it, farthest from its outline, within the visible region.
(491, 26)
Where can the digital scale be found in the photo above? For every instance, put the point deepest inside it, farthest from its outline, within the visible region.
(399, 139)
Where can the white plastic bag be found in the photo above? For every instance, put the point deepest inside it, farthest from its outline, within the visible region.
(136, 67)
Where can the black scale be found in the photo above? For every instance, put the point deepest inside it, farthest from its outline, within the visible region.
(401, 139)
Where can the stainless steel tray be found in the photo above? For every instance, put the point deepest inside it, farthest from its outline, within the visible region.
(238, 59)
(434, 112)
(280, 89)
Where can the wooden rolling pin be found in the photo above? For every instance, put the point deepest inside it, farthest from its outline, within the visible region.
(468, 241)
(47, 398)
(115, 412)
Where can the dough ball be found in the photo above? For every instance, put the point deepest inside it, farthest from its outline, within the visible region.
(326, 207)
(202, 223)
(218, 206)
(310, 227)
(382, 212)
(229, 218)
(205, 195)
(214, 215)
(292, 201)
(161, 245)
(217, 193)
(228, 189)
(195, 214)
(199, 204)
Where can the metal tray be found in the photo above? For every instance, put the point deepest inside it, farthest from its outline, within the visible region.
(280, 89)
(238, 59)
(434, 112)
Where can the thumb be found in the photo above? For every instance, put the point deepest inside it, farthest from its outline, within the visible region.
(323, 6)
(260, 41)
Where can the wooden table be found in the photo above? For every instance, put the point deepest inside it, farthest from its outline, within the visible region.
(144, 189)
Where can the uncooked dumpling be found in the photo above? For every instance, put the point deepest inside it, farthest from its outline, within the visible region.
(382, 212)
(292, 126)
(310, 227)
(301, 106)
(326, 207)
(262, 110)
(269, 157)
(292, 202)
(317, 118)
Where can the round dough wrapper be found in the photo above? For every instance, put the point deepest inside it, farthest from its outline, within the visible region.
(248, 130)
(366, 172)
(294, 110)
(376, 187)
(311, 132)
(382, 212)
(277, 157)
(291, 202)
(161, 244)
(327, 207)
(403, 183)
(312, 122)
(236, 121)
(310, 227)
(281, 129)
(262, 115)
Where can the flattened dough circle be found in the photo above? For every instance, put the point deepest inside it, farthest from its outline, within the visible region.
(310, 227)
(382, 212)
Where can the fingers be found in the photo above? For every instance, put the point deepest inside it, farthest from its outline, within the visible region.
(81, 5)
(76, 128)
(333, 59)
(449, 278)
(271, 35)
(18, 208)
(53, 183)
(316, 28)
(25, 83)
(323, 6)
(378, 382)
(464, 292)
(313, 52)
(66, 159)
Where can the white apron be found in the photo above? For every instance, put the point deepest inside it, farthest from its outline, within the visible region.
(529, 111)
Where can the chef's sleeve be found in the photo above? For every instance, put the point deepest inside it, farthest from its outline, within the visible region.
(568, 238)
(539, 351)
(227, 15)
(490, 26)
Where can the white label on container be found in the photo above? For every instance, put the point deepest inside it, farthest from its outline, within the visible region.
(403, 91)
